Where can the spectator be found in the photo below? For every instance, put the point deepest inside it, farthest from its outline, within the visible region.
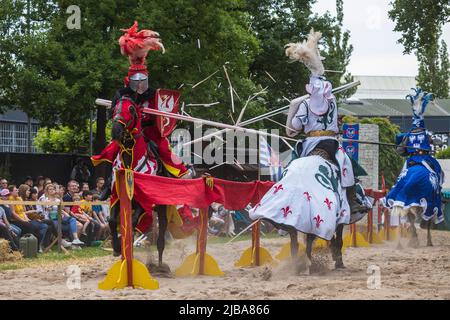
(221, 221)
(40, 185)
(3, 184)
(80, 171)
(72, 189)
(47, 181)
(68, 223)
(99, 186)
(52, 230)
(29, 181)
(84, 187)
(32, 214)
(99, 217)
(7, 232)
(33, 197)
(4, 195)
(81, 216)
(61, 191)
(20, 218)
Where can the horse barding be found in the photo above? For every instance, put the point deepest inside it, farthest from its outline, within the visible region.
(417, 191)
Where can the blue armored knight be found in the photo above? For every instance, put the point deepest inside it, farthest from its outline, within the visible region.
(420, 181)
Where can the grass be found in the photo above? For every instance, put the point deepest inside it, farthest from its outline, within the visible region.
(45, 259)
(54, 256)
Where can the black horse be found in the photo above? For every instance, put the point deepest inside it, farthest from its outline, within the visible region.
(122, 133)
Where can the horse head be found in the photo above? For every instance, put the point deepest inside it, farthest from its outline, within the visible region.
(125, 124)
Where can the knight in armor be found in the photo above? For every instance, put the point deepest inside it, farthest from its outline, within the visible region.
(317, 117)
(420, 181)
(136, 44)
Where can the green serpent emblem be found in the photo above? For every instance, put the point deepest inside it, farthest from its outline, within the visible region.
(329, 179)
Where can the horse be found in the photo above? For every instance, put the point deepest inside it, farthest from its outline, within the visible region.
(134, 153)
(310, 199)
(417, 191)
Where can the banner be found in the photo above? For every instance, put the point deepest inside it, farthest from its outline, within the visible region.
(351, 131)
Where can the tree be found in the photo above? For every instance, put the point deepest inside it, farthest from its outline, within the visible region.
(420, 23)
(278, 22)
(58, 72)
(444, 74)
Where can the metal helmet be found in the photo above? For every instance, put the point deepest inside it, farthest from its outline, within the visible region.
(138, 82)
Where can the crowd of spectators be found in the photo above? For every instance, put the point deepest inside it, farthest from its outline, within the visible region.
(81, 225)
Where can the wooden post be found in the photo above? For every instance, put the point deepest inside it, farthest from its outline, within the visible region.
(387, 224)
(379, 216)
(201, 239)
(256, 242)
(60, 209)
(370, 226)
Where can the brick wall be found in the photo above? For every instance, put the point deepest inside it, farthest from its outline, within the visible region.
(369, 154)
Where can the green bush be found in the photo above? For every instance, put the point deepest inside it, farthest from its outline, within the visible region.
(443, 154)
(63, 139)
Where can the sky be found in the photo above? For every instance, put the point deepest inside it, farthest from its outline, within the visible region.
(376, 51)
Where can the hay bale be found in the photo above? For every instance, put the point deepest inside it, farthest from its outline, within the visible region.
(6, 254)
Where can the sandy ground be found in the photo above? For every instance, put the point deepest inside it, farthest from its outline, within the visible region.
(422, 273)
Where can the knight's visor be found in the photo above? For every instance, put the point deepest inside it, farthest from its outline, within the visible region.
(139, 83)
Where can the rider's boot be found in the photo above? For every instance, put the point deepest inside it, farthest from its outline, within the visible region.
(355, 205)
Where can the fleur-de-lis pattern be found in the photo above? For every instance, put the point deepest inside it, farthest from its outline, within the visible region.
(318, 220)
(308, 196)
(328, 203)
(286, 211)
(277, 188)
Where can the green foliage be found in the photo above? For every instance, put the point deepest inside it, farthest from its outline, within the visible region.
(443, 154)
(56, 73)
(63, 139)
(390, 161)
(277, 23)
(420, 23)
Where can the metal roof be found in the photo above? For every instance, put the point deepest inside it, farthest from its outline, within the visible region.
(383, 87)
(390, 108)
(15, 116)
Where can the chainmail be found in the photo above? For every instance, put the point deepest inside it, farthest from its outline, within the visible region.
(320, 152)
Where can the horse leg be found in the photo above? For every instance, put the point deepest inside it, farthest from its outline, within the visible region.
(162, 223)
(398, 211)
(414, 241)
(429, 243)
(113, 223)
(336, 247)
(309, 244)
(294, 244)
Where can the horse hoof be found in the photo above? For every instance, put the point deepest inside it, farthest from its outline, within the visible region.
(117, 254)
(339, 265)
(429, 244)
(162, 270)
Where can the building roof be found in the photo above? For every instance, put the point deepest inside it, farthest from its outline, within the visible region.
(390, 108)
(16, 116)
(383, 87)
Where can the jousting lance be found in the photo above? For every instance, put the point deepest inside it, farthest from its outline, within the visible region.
(226, 127)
